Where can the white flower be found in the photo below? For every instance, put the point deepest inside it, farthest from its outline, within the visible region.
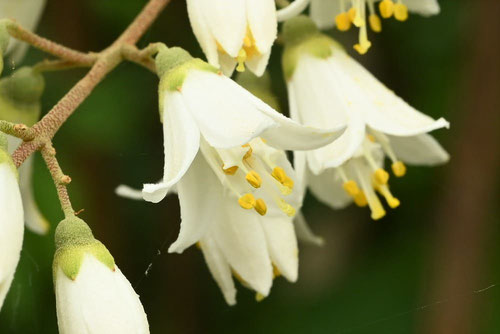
(345, 13)
(326, 88)
(196, 102)
(236, 32)
(92, 295)
(27, 13)
(34, 219)
(237, 205)
(11, 223)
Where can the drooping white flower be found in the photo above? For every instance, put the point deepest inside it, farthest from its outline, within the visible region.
(237, 205)
(327, 87)
(196, 101)
(345, 13)
(11, 221)
(27, 13)
(235, 33)
(92, 295)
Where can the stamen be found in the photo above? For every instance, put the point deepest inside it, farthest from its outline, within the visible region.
(381, 176)
(360, 199)
(231, 170)
(254, 179)
(260, 207)
(373, 202)
(259, 297)
(242, 56)
(280, 175)
(276, 271)
(400, 11)
(375, 23)
(351, 187)
(359, 17)
(351, 13)
(391, 200)
(399, 169)
(386, 8)
(247, 201)
(249, 152)
(343, 21)
(286, 208)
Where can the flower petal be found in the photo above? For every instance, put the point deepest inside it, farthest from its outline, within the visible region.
(227, 64)
(202, 32)
(263, 24)
(323, 12)
(327, 187)
(219, 268)
(304, 232)
(282, 245)
(222, 110)
(423, 7)
(258, 64)
(181, 143)
(243, 243)
(389, 113)
(419, 150)
(227, 22)
(200, 198)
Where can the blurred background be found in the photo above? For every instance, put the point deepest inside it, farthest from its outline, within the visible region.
(430, 266)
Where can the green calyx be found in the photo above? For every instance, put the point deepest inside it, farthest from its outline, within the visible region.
(20, 96)
(173, 66)
(303, 37)
(4, 42)
(259, 86)
(74, 240)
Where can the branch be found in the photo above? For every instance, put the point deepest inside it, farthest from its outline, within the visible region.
(58, 50)
(60, 179)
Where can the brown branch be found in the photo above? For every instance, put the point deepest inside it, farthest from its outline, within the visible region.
(58, 50)
(60, 179)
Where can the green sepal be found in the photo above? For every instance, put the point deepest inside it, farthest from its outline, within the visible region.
(5, 156)
(259, 86)
(74, 240)
(20, 96)
(4, 43)
(174, 78)
(303, 37)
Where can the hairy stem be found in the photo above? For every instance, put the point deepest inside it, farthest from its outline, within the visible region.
(60, 179)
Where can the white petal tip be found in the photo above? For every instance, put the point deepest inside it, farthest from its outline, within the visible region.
(154, 193)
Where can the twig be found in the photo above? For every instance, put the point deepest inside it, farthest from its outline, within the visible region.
(61, 180)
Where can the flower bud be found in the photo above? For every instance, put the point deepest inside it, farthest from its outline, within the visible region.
(11, 220)
(92, 295)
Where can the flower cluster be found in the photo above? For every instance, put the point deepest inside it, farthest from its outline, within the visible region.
(225, 144)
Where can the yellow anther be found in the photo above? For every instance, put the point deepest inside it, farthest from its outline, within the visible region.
(247, 42)
(276, 271)
(378, 213)
(375, 23)
(286, 208)
(351, 187)
(254, 179)
(381, 176)
(360, 199)
(198, 245)
(371, 138)
(400, 12)
(399, 169)
(249, 152)
(391, 200)
(343, 22)
(231, 170)
(259, 297)
(242, 56)
(247, 201)
(363, 47)
(260, 207)
(352, 14)
(386, 8)
(280, 175)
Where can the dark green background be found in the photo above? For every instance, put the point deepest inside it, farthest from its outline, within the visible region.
(370, 277)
